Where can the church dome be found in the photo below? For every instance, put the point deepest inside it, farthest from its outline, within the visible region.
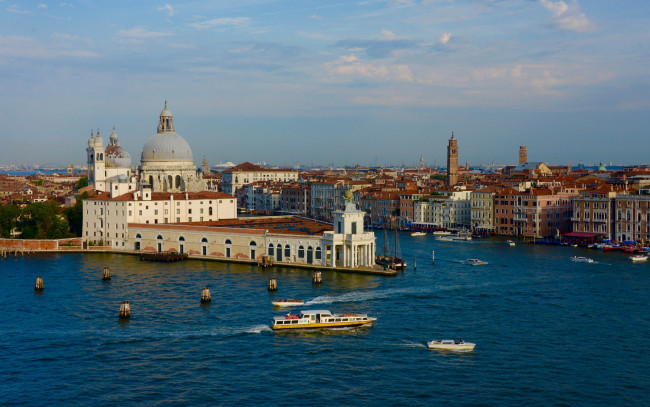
(99, 141)
(166, 144)
(115, 155)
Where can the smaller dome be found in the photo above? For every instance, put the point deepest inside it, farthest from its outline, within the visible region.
(99, 141)
(116, 156)
(91, 139)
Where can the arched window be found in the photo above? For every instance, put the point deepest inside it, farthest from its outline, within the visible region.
(204, 246)
(301, 252)
(151, 180)
(228, 241)
(138, 236)
(271, 249)
(619, 214)
(204, 240)
(629, 215)
(287, 251)
(318, 253)
(178, 182)
(182, 239)
(159, 241)
(253, 244)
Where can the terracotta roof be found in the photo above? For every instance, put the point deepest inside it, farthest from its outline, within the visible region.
(163, 196)
(250, 167)
(291, 225)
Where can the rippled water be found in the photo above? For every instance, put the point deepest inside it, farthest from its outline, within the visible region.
(548, 331)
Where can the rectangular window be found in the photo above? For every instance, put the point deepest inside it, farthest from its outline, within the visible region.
(354, 228)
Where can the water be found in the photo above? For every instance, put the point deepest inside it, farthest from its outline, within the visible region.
(548, 331)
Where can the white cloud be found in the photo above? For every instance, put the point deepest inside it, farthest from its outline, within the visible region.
(444, 38)
(32, 48)
(17, 10)
(141, 33)
(568, 17)
(221, 22)
(349, 66)
(315, 17)
(42, 6)
(389, 35)
(167, 8)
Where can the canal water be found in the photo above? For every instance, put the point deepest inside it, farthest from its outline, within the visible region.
(549, 331)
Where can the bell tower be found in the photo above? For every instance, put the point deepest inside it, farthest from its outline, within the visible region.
(452, 161)
(523, 155)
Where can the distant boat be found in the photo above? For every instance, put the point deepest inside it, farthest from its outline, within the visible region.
(441, 233)
(639, 257)
(287, 303)
(450, 344)
(582, 259)
(418, 233)
(475, 262)
(510, 243)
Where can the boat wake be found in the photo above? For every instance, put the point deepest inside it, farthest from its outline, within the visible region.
(359, 296)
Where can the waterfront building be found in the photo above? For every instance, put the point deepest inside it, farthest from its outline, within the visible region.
(593, 211)
(633, 217)
(536, 212)
(407, 201)
(286, 239)
(482, 209)
(452, 161)
(449, 210)
(106, 218)
(326, 197)
(247, 173)
(166, 162)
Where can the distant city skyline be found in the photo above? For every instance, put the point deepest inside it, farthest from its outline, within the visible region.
(319, 83)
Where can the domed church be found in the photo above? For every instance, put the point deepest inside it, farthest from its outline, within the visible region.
(109, 169)
(166, 163)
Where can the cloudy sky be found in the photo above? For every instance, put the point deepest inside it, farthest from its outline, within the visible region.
(329, 82)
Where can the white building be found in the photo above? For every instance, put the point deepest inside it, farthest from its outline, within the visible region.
(247, 173)
(287, 239)
(110, 168)
(106, 218)
(451, 210)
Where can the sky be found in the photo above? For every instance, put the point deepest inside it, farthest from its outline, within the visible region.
(338, 83)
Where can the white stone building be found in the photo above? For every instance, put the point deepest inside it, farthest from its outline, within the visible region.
(106, 218)
(451, 210)
(247, 173)
(109, 168)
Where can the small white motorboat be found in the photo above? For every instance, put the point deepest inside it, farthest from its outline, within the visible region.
(510, 243)
(475, 262)
(639, 257)
(450, 344)
(418, 233)
(441, 233)
(582, 259)
(287, 303)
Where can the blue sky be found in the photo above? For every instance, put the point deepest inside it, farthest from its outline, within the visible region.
(329, 82)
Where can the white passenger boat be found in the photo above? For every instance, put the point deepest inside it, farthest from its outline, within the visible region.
(510, 243)
(441, 233)
(450, 344)
(418, 233)
(287, 303)
(311, 319)
(582, 259)
(461, 238)
(475, 262)
(639, 257)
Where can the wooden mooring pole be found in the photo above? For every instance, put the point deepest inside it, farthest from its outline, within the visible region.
(38, 286)
(125, 310)
(273, 284)
(205, 295)
(107, 274)
(317, 277)
(415, 262)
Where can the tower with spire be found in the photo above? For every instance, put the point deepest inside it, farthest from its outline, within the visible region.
(452, 161)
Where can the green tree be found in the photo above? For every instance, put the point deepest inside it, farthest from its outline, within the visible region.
(83, 183)
(9, 215)
(75, 216)
(43, 220)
